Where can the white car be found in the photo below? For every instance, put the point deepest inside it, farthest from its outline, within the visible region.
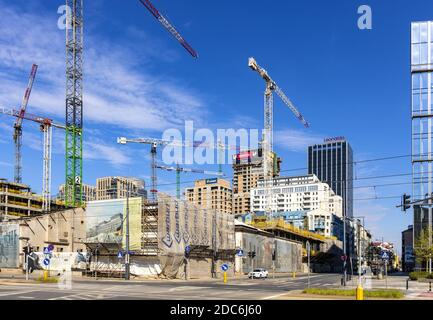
(258, 273)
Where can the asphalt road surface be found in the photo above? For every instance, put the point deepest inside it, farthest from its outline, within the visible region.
(91, 289)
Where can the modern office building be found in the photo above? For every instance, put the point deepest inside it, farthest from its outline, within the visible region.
(332, 163)
(422, 117)
(214, 193)
(117, 188)
(300, 193)
(247, 170)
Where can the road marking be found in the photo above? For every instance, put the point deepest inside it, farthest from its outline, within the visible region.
(183, 288)
(14, 293)
(25, 297)
(274, 296)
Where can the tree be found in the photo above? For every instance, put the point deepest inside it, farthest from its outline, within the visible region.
(423, 249)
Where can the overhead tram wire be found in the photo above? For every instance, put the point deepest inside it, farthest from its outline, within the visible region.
(218, 201)
(353, 162)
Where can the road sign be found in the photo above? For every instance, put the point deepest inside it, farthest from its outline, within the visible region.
(46, 262)
(224, 267)
(240, 253)
(385, 255)
(50, 247)
(46, 251)
(187, 249)
(119, 255)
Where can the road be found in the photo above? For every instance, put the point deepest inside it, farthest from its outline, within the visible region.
(91, 289)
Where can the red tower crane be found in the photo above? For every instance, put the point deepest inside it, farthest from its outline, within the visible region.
(170, 28)
(18, 126)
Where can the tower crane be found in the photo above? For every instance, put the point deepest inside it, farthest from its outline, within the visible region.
(154, 143)
(46, 127)
(267, 143)
(18, 126)
(179, 169)
(74, 104)
(170, 28)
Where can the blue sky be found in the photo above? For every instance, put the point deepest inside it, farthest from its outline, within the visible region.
(139, 81)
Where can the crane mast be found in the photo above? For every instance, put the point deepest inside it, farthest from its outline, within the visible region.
(267, 143)
(74, 104)
(169, 27)
(18, 130)
(46, 126)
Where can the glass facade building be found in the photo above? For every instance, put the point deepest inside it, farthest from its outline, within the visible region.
(422, 119)
(332, 163)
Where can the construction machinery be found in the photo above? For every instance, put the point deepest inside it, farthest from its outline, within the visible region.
(46, 128)
(18, 126)
(179, 169)
(267, 143)
(74, 104)
(170, 28)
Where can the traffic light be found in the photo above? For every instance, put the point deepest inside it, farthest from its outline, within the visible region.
(26, 250)
(405, 202)
(251, 254)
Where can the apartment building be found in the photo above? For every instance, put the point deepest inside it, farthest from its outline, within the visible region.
(212, 193)
(300, 193)
(89, 192)
(117, 188)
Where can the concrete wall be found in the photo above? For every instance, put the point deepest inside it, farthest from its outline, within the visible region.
(288, 256)
(64, 229)
(163, 266)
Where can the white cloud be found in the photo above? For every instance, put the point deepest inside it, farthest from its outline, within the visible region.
(119, 89)
(5, 164)
(296, 140)
(101, 151)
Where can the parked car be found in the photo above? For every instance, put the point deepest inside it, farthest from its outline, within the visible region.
(260, 273)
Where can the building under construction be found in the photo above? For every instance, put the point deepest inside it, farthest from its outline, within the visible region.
(247, 171)
(17, 201)
(171, 238)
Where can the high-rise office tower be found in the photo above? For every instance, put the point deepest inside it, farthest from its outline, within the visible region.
(332, 163)
(422, 121)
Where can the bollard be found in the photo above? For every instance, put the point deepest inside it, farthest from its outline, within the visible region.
(45, 275)
(359, 293)
(294, 275)
(429, 289)
(225, 277)
(407, 284)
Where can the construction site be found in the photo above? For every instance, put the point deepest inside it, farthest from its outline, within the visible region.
(124, 230)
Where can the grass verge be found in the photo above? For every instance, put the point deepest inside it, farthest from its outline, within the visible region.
(390, 293)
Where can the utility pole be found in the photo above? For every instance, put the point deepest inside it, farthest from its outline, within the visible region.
(308, 260)
(344, 251)
(127, 234)
(359, 289)
(430, 231)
